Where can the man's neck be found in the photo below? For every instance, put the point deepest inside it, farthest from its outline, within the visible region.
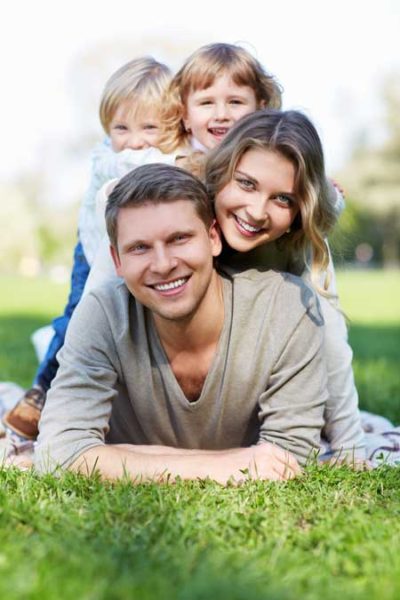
(198, 331)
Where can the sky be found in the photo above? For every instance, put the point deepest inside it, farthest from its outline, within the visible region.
(331, 56)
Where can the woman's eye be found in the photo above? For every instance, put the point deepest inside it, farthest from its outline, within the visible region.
(246, 184)
(285, 200)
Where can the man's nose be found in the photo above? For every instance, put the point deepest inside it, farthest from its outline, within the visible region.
(163, 261)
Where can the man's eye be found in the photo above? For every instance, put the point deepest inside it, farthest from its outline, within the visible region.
(180, 238)
(138, 249)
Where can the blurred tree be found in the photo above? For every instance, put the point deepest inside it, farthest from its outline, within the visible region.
(372, 183)
(40, 207)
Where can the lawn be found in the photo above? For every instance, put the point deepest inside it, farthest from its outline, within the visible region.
(332, 534)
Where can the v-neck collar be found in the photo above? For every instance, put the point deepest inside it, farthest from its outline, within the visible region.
(219, 359)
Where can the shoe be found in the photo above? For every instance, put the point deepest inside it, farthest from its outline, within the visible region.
(23, 419)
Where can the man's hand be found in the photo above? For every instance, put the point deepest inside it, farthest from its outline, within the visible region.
(274, 463)
(264, 461)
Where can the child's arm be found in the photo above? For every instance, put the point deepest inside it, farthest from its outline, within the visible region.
(108, 164)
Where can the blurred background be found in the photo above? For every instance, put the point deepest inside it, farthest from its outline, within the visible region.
(338, 61)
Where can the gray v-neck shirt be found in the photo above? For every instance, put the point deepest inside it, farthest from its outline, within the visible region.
(267, 380)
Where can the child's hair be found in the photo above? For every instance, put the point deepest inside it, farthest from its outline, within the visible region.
(199, 72)
(292, 135)
(142, 80)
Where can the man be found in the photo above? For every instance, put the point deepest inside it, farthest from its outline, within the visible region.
(180, 370)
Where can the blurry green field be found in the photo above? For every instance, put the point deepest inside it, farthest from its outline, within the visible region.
(371, 301)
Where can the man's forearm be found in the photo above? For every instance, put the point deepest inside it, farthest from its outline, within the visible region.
(158, 463)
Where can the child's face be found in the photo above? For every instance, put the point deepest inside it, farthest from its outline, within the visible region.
(210, 113)
(133, 129)
(258, 205)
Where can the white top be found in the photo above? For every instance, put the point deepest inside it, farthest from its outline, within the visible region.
(106, 165)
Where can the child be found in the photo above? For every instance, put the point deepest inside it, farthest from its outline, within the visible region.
(130, 115)
(272, 203)
(216, 86)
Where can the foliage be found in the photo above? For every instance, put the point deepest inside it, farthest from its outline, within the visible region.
(372, 182)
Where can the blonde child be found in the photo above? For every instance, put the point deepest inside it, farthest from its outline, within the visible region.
(130, 110)
(216, 86)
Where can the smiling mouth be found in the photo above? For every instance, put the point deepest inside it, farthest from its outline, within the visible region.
(246, 228)
(170, 287)
(218, 131)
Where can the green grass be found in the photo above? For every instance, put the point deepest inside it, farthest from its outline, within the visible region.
(371, 301)
(332, 534)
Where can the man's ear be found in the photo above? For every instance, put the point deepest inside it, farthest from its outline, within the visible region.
(215, 238)
(116, 260)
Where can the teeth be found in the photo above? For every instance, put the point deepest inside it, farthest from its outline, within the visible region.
(219, 130)
(163, 287)
(247, 226)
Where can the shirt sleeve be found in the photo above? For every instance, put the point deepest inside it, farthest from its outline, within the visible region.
(110, 164)
(291, 409)
(342, 428)
(103, 269)
(78, 405)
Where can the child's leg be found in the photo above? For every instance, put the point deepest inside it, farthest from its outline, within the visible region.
(48, 367)
(23, 419)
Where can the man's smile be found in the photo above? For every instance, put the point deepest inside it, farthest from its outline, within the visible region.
(169, 288)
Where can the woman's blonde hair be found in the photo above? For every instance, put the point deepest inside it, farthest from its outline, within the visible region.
(142, 81)
(199, 72)
(292, 135)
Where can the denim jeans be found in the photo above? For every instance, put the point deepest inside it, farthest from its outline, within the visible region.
(48, 367)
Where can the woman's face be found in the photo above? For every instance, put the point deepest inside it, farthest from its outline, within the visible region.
(258, 205)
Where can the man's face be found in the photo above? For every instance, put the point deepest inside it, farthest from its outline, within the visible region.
(165, 255)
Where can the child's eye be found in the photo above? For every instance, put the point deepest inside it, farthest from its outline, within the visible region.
(236, 101)
(205, 102)
(120, 127)
(246, 184)
(150, 127)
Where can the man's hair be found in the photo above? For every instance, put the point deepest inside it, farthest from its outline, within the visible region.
(156, 184)
(141, 81)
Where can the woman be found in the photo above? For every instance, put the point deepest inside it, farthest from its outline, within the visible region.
(275, 208)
